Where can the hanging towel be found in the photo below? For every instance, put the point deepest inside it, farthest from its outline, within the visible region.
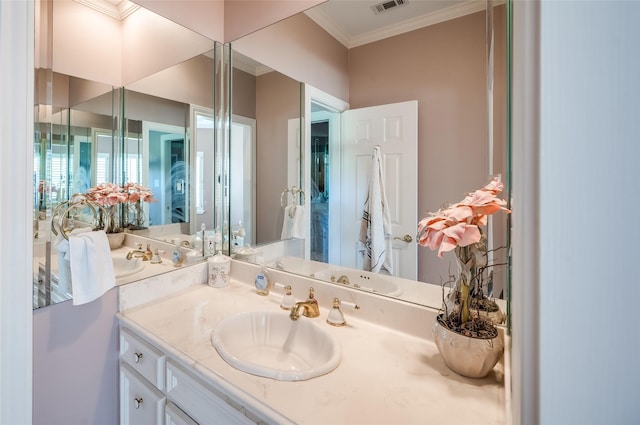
(287, 222)
(61, 246)
(91, 267)
(297, 227)
(375, 228)
(293, 223)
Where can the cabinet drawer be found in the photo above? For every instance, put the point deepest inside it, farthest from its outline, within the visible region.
(174, 416)
(140, 403)
(142, 357)
(203, 404)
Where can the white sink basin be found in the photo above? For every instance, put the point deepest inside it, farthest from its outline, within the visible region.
(272, 345)
(123, 267)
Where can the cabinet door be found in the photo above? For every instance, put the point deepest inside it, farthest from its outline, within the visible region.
(142, 357)
(174, 416)
(203, 404)
(140, 402)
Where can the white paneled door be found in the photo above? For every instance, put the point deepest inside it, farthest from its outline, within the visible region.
(393, 127)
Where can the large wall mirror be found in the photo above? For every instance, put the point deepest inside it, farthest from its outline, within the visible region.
(141, 111)
(444, 61)
(120, 98)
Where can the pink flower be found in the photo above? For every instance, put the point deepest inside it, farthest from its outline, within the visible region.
(108, 194)
(458, 225)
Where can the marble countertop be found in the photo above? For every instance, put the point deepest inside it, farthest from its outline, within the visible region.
(386, 376)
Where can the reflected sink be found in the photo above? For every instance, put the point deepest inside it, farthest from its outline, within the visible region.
(363, 280)
(123, 267)
(272, 345)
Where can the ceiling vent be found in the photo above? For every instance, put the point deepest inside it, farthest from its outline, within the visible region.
(387, 5)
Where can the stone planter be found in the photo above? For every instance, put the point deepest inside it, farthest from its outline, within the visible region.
(467, 356)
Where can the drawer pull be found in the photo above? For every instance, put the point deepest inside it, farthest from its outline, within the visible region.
(137, 402)
(137, 357)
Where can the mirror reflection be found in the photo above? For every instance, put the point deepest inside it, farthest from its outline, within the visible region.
(90, 130)
(440, 64)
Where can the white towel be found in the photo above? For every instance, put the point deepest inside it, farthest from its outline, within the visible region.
(287, 222)
(375, 228)
(63, 271)
(61, 245)
(293, 223)
(91, 266)
(297, 227)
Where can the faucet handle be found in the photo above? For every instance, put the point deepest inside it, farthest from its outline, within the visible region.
(312, 296)
(156, 259)
(335, 317)
(288, 300)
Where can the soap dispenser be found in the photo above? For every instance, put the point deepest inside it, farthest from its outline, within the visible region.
(176, 255)
(263, 284)
(219, 270)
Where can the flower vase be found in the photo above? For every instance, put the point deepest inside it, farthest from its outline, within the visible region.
(115, 240)
(472, 357)
(136, 214)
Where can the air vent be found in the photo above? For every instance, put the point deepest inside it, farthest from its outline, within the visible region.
(387, 5)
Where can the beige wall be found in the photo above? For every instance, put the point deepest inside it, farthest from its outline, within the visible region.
(443, 67)
(243, 17)
(302, 50)
(86, 43)
(226, 20)
(90, 45)
(277, 101)
(244, 94)
(189, 82)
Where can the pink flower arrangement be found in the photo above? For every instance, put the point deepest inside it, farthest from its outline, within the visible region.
(459, 224)
(107, 194)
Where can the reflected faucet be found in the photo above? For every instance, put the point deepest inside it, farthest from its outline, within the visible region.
(310, 307)
(342, 279)
(139, 253)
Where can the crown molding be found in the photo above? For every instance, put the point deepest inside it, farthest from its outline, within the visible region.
(446, 14)
(119, 10)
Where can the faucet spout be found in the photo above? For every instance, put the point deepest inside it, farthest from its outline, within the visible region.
(139, 253)
(343, 280)
(309, 307)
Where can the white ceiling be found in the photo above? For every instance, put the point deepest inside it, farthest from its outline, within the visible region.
(354, 22)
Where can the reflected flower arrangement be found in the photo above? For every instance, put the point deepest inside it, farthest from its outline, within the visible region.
(111, 195)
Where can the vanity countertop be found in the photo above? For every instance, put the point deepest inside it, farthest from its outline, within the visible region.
(385, 376)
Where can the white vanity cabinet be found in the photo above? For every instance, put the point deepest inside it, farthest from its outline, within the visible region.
(155, 389)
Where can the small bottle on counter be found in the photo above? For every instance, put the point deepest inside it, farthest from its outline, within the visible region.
(176, 255)
(219, 270)
(263, 284)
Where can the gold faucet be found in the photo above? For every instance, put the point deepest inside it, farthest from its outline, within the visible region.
(310, 307)
(342, 279)
(139, 253)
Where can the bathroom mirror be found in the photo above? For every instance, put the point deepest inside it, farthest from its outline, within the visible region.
(82, 137)
(265, 125)
(442, 63)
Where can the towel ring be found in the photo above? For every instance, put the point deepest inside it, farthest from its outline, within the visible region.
(77, 201)
(294, 191)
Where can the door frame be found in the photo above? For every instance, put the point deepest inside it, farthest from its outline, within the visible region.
(314, 95)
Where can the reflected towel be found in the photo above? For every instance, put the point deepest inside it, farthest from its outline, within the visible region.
(293, 223)
(375, 227)
(91, 267)
(297, 227)
(287, 222)
(61, 245)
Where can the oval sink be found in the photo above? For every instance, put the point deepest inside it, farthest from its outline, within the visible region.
(123, 267)
(272, 345)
